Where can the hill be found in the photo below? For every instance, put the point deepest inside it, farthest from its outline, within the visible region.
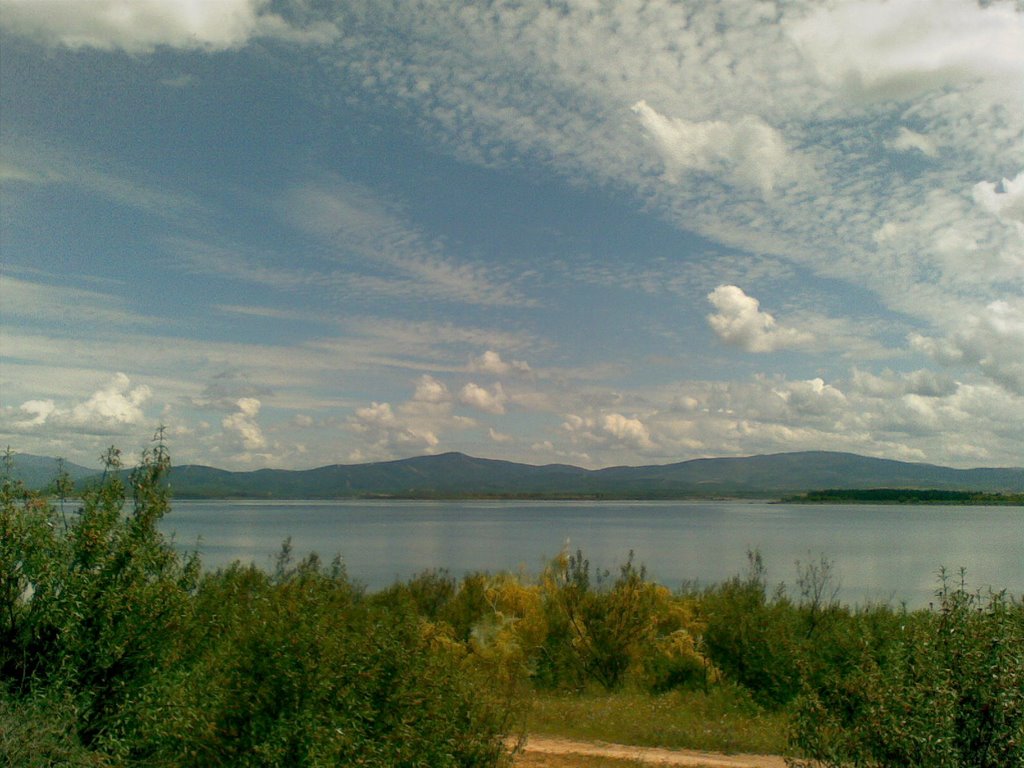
(453, 475)
(456, 475)
(39, 471)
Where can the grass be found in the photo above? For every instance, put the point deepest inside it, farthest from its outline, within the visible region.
(723, 720)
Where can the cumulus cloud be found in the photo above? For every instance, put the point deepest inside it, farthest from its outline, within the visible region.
(38, 411)
(430, 390)
(899, 47)
(141, 26)
(991, 339)
(630, 430)
(747, 153)
(907, 141)
(242, 425)
(108, 410)
(740, 321)
(813, 397)
(491, 362)
(609, 429)
(388, 433)
(488, 400)
(117, 403)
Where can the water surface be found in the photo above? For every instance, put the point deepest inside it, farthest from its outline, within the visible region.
(880, 552)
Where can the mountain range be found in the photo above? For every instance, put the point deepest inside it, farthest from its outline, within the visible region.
(455, 475)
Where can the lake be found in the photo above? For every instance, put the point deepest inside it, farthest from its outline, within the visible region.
(880, 552)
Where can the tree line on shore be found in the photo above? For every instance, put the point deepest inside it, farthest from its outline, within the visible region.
(117, 650)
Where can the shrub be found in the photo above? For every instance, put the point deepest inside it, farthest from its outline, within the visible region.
(945, 688)
(115, 651)
(596, 632)
(751, 637)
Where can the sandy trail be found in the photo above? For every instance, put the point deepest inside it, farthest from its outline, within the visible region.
(649, 755)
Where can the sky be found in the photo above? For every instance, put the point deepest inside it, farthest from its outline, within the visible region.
(304, 232)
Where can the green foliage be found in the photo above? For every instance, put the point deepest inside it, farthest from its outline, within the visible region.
(907, 496)
(940, 689)
(596, 629)
(750, 636)
(91, 604)
(115, 650)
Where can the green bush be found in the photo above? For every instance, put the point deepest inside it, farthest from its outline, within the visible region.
(116, 651)
(943, 688)
(751, 636)
(595, 631)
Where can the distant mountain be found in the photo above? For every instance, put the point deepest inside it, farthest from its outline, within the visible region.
(457, 475)
(39, 471)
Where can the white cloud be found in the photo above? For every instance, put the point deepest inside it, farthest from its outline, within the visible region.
(108, 410)
(490, 401)
(748, 153)
(116, 404)
(899, 47)
(740, 321)
(813, 397)
(141, 26)
(242, 425)
(430, 390)
(630, 430)
(491, 362)
(991, 339)
(38, 411)
(1004, 200)
(388, 434)
(923, 382)
(907, 140)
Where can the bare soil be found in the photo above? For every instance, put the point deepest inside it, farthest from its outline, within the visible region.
(550, 752)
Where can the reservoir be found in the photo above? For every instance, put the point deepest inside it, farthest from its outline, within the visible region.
(880, 553)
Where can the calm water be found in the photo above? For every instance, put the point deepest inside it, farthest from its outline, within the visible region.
(880, 552)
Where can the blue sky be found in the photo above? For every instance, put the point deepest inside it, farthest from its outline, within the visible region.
(305, 232)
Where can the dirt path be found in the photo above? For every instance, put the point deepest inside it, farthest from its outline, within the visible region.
(543, 745)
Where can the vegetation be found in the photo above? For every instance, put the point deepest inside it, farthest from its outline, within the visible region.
(906, 496)
(114, 650)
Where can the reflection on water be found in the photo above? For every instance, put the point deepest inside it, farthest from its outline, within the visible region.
(880, 552)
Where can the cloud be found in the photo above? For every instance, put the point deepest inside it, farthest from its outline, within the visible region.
(888, 384)
(383, 254)
(430, 390)
(34, 162)
(907, 140)
(498, 437)
(242, 425)
(490, 401)
(739, 321)
(141, 26)
(108, 410)
(901, 47)
(1004, 200)
(748, 153)
(38, 411)
(628, 430)
(991, 339)
(491, 362)
(388, 434)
